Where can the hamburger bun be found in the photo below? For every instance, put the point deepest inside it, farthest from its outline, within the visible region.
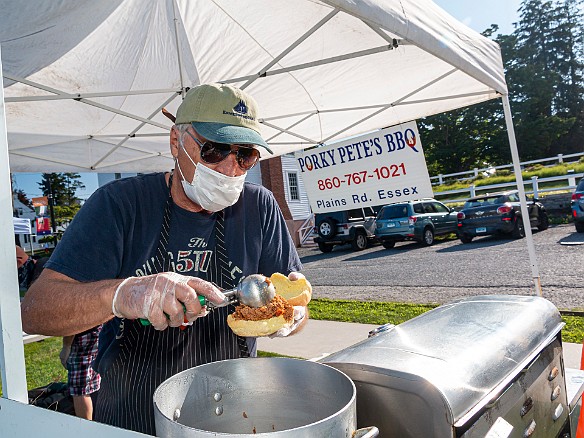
(261, 321)
(297, 292)
(263, 327)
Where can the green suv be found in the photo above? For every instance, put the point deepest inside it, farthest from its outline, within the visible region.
(414, 220)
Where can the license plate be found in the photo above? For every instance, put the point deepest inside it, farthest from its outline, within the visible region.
(481, 230)
(390, 224)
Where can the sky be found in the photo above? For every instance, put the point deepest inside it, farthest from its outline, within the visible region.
(477, 14)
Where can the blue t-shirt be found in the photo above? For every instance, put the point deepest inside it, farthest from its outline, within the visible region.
(117, 231)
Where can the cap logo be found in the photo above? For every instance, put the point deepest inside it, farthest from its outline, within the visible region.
(239, 110)
(240, 107)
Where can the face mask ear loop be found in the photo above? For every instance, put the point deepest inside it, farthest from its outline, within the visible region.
(182, 145)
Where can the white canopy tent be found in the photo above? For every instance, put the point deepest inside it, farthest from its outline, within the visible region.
(85, 81)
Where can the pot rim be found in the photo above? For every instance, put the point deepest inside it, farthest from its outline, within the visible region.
(348, 405)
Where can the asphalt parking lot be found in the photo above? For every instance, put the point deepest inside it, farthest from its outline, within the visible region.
(449, 270)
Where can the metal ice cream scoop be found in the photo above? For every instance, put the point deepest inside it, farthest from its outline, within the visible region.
(255, 290)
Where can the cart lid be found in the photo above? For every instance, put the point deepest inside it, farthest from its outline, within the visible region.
(468, 350)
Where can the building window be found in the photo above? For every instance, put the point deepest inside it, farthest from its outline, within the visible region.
(293, 186)
(117, 175)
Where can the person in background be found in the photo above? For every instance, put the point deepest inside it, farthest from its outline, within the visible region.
(29, 269)
(164, 240)
(77, 356)
(78, 351)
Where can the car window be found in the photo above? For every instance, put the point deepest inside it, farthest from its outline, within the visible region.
(513, 197)
(418, 208)
(440, 208)
(355, 214)
(393, 212)
(336, 215)
(428, 208)
(369, 211)
(580, 187)
(481, 202)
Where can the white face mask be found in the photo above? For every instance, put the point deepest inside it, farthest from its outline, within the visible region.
(212, 190)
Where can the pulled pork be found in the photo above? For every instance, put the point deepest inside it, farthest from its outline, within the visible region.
(278, 306)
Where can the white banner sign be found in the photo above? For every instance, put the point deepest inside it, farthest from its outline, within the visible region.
(379, 168)
(21, 225)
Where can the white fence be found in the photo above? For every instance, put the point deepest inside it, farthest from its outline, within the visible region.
(470, 174)
(533, 184)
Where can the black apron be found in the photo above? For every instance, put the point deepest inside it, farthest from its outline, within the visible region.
(147, 356)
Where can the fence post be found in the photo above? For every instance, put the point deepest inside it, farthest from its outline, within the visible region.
(571, 178)
(476, 172)
(440, 180)
(534, 186)
(560, 158)
(472, 191)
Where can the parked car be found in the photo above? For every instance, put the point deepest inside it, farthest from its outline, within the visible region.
(497, 213)
(414, 220)
(578, 206)
(347, 226)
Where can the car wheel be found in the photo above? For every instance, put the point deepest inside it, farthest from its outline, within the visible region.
(428, 236)
(327, 228)
(325, 247)
(519, 230)
(580, 227)
(544, 221)
(388, 244)
(465, 238)
(359, 243)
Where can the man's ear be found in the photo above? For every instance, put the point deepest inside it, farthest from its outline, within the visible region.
(174, 143)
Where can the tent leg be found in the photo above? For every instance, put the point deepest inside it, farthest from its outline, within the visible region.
(522, 198)
(11, 345)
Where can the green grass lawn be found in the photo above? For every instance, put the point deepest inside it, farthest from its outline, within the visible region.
(43, 365)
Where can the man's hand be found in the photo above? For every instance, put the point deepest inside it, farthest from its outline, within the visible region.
(160, 298)
(66, 350)
(300, 318)
(293, 276)
(300, 312)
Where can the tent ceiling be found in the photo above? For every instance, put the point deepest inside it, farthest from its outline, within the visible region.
(87, 95)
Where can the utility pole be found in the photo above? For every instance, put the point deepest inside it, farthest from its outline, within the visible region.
(51, 201)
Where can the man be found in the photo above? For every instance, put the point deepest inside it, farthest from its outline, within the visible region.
(163, 239)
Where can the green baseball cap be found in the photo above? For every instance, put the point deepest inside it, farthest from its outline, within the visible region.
(223, 114)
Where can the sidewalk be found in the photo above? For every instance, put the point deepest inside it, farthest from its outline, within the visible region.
(321, 338)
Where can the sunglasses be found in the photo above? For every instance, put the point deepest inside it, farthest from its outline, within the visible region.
(213, 153)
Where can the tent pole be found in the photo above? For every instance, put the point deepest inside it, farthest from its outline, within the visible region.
(522, 198)
(178, 52)
(11, 346)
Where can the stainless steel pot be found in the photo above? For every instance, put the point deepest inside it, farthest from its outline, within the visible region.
(263, 396)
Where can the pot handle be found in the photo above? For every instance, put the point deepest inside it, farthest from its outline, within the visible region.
(366, 432)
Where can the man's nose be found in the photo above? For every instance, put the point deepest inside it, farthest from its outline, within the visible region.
(229, 165)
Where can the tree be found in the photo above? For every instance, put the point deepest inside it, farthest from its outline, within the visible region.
(542, 65)
(23, 197)
(470, 137)
(543, 61)
(569, 48)
(62, 187)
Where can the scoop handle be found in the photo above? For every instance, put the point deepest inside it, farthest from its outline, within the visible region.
(202, 300)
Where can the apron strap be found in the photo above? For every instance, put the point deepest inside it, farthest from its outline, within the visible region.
(223, 264)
